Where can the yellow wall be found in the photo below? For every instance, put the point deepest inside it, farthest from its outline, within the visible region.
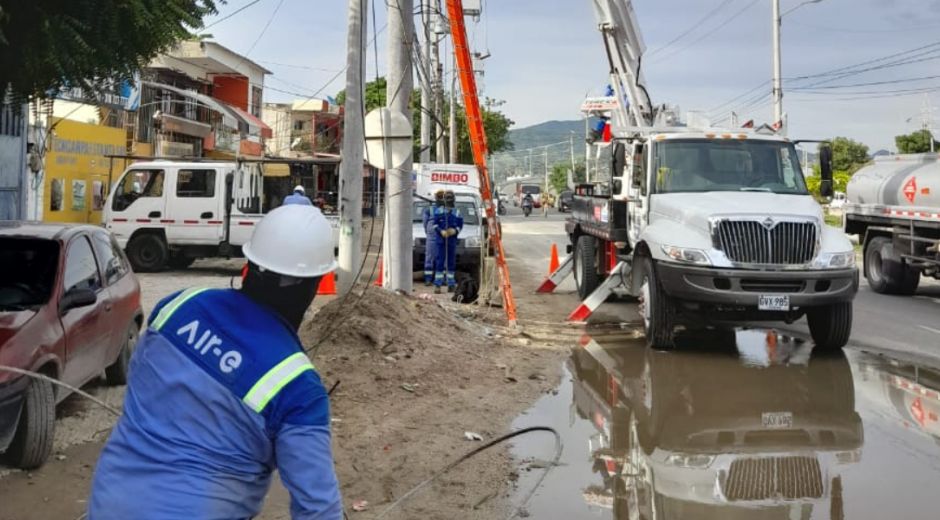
(76, 165)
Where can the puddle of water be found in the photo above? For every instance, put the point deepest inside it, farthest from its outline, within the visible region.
(749, 425)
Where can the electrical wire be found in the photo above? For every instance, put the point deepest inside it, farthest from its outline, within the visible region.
(692, 28)
(233, 13)
(79, 391)
(559, 448)
(717, 28)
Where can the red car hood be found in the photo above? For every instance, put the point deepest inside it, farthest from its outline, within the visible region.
(11, 322)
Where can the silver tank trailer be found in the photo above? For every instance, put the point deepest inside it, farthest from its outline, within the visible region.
(909, 181)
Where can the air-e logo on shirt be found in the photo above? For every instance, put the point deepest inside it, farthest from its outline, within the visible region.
(209, 342)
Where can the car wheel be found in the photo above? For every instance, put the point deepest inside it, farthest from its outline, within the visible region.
(585, 265)
(147, 253)
(116, 374)
(886, 272)
(32, 442)
(830, 325)
(656, 308)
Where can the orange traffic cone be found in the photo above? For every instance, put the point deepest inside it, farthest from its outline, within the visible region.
(553, 263)
(327, 285)
(378, 281)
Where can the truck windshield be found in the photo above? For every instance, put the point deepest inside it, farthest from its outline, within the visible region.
(699, 165)
(467, 210)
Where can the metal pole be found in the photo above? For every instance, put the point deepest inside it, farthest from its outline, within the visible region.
(777, 82)
(398, 238)
(546, 171)
(571, 147)
(587, 151)
(350, 169)
(426, 102)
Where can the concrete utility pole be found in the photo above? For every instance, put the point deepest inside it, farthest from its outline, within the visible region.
(350, 170)
(777, 81)
(571, 147)
(587, 151)
(438, 87)
(546, 170)
(398, 239)
(452, 122)
(426, 89)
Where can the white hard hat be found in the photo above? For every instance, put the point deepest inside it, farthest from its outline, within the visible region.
(293, 240)
(300, 189)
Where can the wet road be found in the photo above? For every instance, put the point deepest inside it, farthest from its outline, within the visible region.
(753, 426)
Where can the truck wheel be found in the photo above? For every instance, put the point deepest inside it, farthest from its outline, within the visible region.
(656, 308)
(32, 442)
(585, 265)
(116, 374)
(148, 253)
(830, 325)
(886, 272)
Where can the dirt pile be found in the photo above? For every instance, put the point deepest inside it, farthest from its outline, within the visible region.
(414, 377)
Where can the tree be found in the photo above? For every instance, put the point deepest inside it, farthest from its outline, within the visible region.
(840, 179)
(917, 142)
(495, 123)
(558, 178)
(848, 155)
(48, 44)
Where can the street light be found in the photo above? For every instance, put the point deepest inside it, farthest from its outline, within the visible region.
(777, 79)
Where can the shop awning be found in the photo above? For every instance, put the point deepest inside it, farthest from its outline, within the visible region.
(255, 125)
(277, 170)
(228, 117)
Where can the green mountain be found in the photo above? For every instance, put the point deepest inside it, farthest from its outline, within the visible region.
(548, 132)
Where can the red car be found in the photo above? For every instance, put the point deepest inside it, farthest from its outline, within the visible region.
(70, 309)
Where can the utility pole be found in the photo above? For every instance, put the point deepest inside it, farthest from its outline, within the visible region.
(350, 169)
(398, 240)
(437, 86)
(529, 163)
(546, 170)
(587, 150)
(452, 122)
(777, 81)
(426, 88)
(571, 147)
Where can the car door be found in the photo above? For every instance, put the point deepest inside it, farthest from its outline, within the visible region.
(87, 329)
(123, 289)
(193, 207)
(138, 199)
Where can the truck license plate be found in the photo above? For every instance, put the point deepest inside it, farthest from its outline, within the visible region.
(777, 420)
(773, 302)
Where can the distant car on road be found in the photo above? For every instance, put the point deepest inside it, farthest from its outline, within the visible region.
(69, 309)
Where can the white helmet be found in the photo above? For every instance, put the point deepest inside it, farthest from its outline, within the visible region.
(300, 189)
(293, 240)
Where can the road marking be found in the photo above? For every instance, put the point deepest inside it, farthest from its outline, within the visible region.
(930, 329)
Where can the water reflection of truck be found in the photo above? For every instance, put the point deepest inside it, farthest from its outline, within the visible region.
(904, 390)
(676, 441)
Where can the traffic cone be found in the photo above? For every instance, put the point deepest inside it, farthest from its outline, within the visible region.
(327, 285)
(553, 263)
(378, 281)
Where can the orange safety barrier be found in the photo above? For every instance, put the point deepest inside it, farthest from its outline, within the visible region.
(379, 282)
(553, 263)
(327, 285)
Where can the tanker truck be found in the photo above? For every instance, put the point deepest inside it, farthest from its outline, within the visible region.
(893, 205)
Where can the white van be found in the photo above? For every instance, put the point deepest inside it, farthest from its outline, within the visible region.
(169, 213)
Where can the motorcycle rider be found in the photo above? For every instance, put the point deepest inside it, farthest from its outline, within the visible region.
(527, 204)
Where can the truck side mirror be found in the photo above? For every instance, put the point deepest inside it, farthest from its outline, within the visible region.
(825, 171)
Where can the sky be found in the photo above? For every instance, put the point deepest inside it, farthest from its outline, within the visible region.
(546, 55)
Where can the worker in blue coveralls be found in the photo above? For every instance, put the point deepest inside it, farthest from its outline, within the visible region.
(447, 225)
(299, 196)
(430, 245)
(221, 393)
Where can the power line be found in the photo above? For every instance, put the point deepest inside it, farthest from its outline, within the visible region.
(821, 90)
(233, 13)
(720, 26)
(694, 26)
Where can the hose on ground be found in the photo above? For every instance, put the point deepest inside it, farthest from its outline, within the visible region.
(559, 446)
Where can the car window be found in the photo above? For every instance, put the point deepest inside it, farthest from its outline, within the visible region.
(195, 183)
(81, 270)
(28, 274)
(110, 257)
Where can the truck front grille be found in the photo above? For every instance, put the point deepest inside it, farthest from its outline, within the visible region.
(774, 478)
(766, 242)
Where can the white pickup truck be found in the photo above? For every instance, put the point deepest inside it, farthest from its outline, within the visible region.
(169, 213)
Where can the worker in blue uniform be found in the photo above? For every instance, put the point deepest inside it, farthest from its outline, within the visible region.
(432, 236)
(299, 196)
(221, 394)
(447, 223)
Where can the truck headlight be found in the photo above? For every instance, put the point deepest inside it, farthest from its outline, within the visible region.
(835, 260)
(687, 255)
(683, 460)
(472, 242)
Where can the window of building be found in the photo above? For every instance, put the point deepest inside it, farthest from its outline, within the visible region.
(81, 270)
(256, 101)
(299, 124)
(195, 183)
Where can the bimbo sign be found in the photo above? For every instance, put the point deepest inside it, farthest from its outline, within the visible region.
(450, 177)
